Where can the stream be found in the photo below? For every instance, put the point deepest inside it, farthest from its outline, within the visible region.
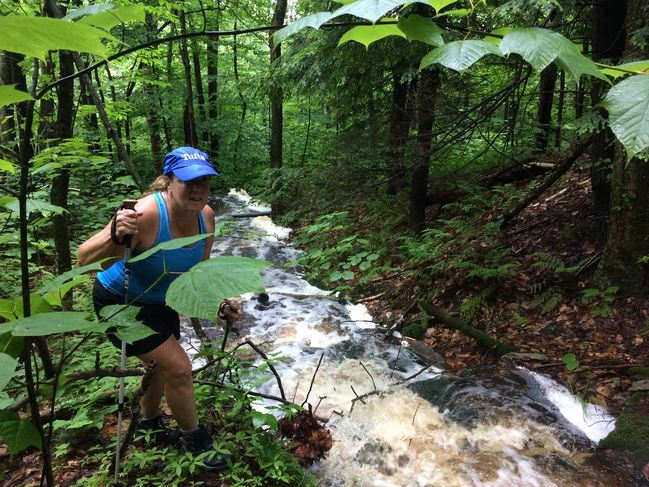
(498, 425)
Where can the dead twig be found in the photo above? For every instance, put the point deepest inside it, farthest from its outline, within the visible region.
(313, 380)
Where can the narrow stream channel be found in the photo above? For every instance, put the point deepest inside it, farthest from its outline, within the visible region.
(496, 426)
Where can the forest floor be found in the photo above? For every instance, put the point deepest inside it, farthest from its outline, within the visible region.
(537, 309)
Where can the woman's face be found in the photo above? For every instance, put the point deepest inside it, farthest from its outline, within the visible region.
(191, 195)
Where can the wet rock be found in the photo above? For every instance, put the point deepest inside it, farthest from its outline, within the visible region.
(427, 355)
(524, 357)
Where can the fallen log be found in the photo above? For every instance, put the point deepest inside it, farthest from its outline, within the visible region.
(493, 346)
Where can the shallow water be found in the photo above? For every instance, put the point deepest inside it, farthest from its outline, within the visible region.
(495, 426)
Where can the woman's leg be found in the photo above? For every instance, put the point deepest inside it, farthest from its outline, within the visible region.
(175, 371)
(150, 401)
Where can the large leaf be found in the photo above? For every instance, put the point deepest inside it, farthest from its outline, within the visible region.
(176, 243)
(37, 305)
(314, 21)
(88, 10)
(36, 36)
(17, 433)
(55, 322)
(418, 28)
(7, 369)
(459, 55)
(9, 95)
(10, 344)
(111, 18)
(438, 5)
(128, 328)
(539, 47)
(366, 34)
(199, 292)
(627, 104)
(371, 10)
(571, 59)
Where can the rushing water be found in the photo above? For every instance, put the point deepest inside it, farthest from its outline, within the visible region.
(496, 426)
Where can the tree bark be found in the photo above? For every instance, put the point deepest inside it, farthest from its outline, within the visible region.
(628, 239)
(153, 123)
(399, 125)
(276, 114)
(189, 119)
(544, 114)
(608, 38)
(427, 92)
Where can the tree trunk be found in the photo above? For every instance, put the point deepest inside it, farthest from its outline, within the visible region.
(276, 114)
(628, 237)
(608, 37)
(560, 108)
(427, 90)
(399, 125)
(244, 104)
(189, 120)
(200, 95)
(544, 114)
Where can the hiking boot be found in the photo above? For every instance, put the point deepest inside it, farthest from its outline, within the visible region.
(199, 442)
(157, 429)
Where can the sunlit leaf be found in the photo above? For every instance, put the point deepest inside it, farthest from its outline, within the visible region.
(314, 21)
(32, 205)
(418, 28)
(571, 361)
(8, 95)
(55, 322)
(627, 104)
(459, 55)
(461, 12)
(371, 10)
(88, 10)
(7, 369)
(17, 433)
(498, 35)
(367, 34)
(113, 17)
(439, 5)
(36, 36)
(6, 165)
(637, 67)
(199, 292)
(539, 47)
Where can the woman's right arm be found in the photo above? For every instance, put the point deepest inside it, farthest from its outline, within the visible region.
(101, 245)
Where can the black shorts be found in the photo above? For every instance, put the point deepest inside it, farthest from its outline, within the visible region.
(159, 317)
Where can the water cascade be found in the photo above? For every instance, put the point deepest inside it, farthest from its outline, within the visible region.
(394, 422)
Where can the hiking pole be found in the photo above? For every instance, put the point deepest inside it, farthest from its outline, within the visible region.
(126, 205)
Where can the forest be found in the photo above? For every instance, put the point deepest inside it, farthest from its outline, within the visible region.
(470, 170)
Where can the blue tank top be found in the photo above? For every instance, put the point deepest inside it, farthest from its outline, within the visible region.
(145, 272)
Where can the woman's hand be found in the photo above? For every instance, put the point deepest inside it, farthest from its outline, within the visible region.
(126, 223)
(230, 310)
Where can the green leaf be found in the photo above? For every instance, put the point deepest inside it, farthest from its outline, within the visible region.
(55, 297)
(55, 322)
(7, 309)
(461, 12)
(498, 35)
(129, 329)
(571, 361)
(314, 21)
(539, 47)
(348, 275)
(366, 34)
(459, 55)
(199, 291)
(16, 433)
(88, 10)
(37, 305)
(7, 369)
(571, 59)
(111, 18)
(6, 165)
(176, 243)
(627, 104)
(57, 284)
(418, 28)
(637, 67)
(438, 5)
(42, 206)
(36, 36)
(11, 345)
(371, 10)
(9, 95)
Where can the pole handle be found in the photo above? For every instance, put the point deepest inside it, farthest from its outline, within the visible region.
(128, 205)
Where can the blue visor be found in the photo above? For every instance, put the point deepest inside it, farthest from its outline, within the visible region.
(187, 163)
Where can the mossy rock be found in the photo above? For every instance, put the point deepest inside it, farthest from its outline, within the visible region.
(639, 371)
(416, 331)
(631, 433)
